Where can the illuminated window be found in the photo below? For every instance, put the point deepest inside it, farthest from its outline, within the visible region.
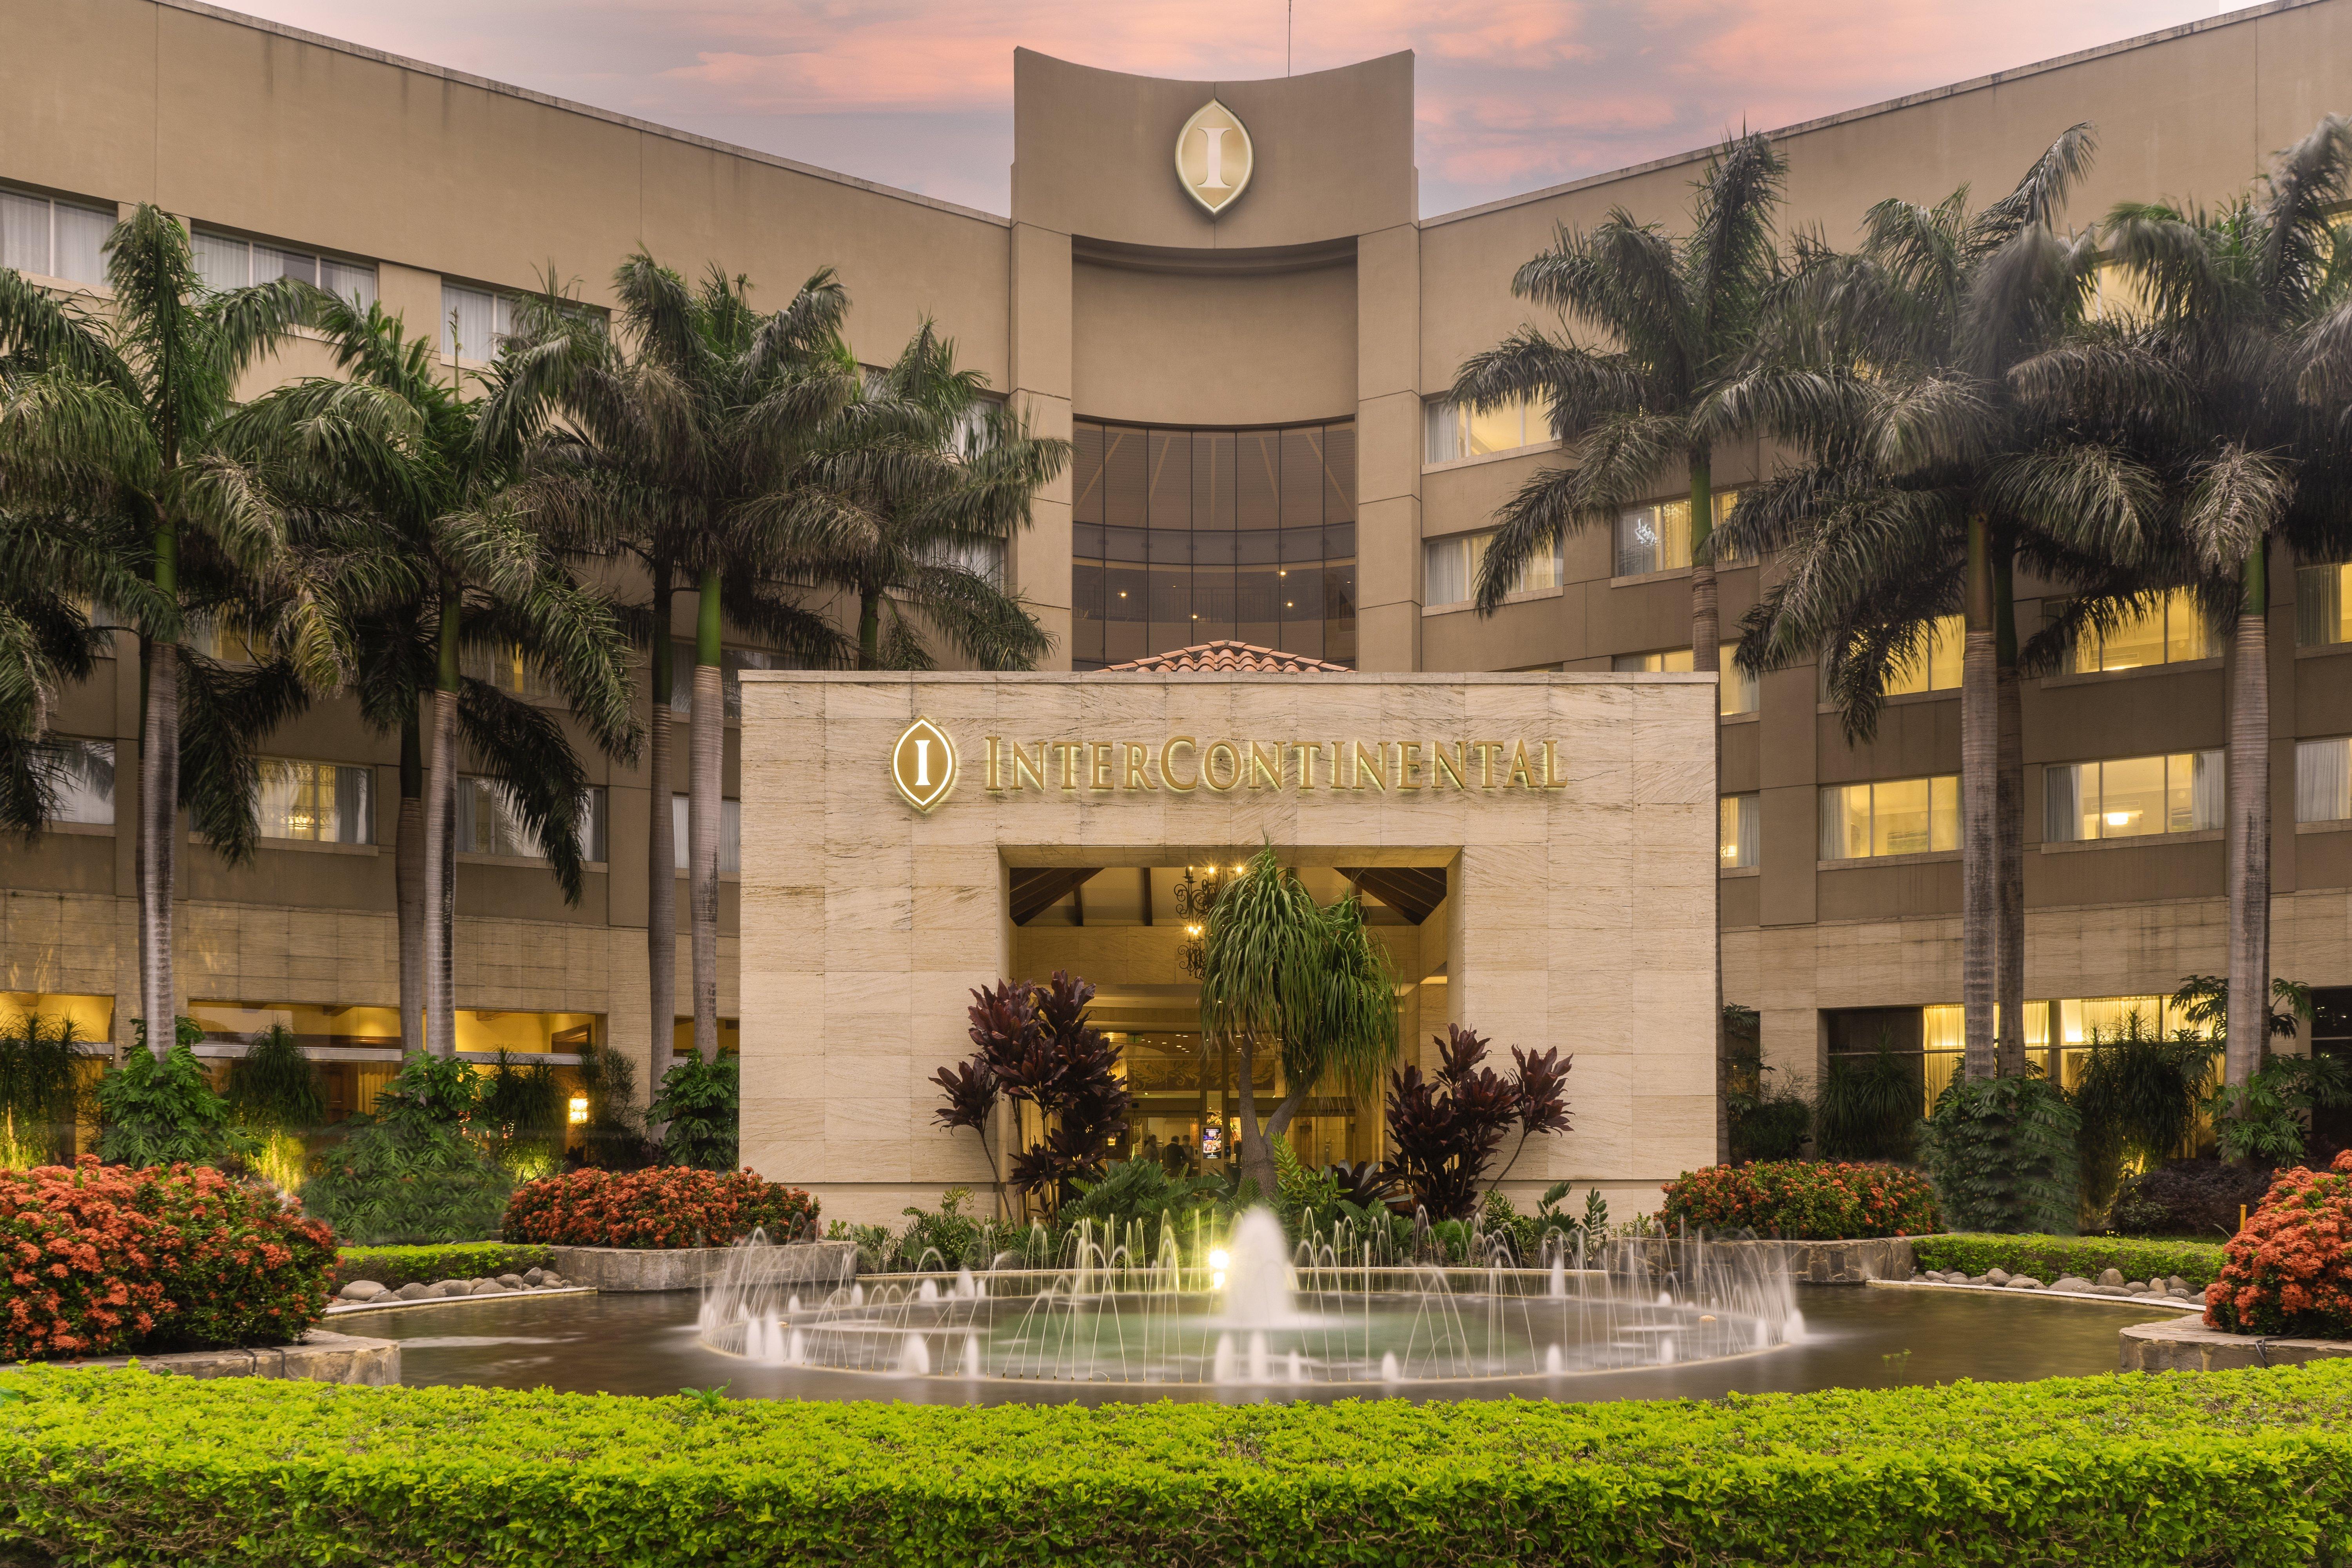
(1891, 816)
(92, 1018)
(510, 670)
(82, 774)
(314, 1026)
(226, 262)
(731, 834)
(1657, 538)
(1457, 431)
(1738, 821)
(488, 823)
(2132, 797)
(731, 1037)
(2172, 631)
(1453, 566)
(1736, 694)
(316, 803)
(44, 238)
(1180, 537)
(487, 1031)
(2322, 605)
(2322, 781)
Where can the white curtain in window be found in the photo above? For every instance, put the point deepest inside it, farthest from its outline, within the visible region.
(469, 323)
(2205, 789)
(284, 788)
(25, 233)
(1446, 431)
(2322, 781)
(350, 281)
(1448, 564)
(731, 834)
(354, 805)
(82, 243)
(2062, 820)
(269, 264)
(223, 262)
(82, 772)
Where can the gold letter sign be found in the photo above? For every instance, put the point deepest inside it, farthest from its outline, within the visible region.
(923, 765)
(1214, 157)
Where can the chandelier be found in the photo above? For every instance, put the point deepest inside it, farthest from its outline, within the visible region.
(1196, 895)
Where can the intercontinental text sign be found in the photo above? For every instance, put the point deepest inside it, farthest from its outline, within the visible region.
(1182, 763)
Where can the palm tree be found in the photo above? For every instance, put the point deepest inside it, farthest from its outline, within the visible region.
(114, 416)
(1310, 981)
(1957, 412)
(677, 429)
(902, 498)
(438, 485)
(2254, 304)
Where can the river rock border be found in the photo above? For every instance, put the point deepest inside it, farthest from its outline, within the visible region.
(320, 1357)
(631, 1269)
(2186, 1344)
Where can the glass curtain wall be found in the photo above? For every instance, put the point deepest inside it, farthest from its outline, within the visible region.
(1188, 536)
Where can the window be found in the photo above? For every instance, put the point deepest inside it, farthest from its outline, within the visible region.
(733, 662)
(2173, 631)
(2322, 781)
(91, 1017)
(226, 262)
(509, 669)
(316, 803)
(1939, 669)
(44, 238)
(488, 824)
(328, 1027)
(1736, 690)
(1455, 431)
(1891, 816)
(475, 322)
(82, 772)
(1190, 536)
(2322, 605)
(2132, 797)
(731, 835)
(977, 554)
(1739, 822)
(1656, 538)
(1453, 566)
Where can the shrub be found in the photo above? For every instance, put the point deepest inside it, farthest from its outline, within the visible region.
(2267, 1119)
(412, 1172)
(1032, 1044)
(278, 1095)
(522, 1115)
(1803, 1200)
(2188, 1197)
(165, 1113)
(1867, 1108)
(614, 1137)
(699, 1107)
(2002, 1152)
(668, 1206)
(1138, 1192)
(2289, 1271)
(37, 1108)
(106, 1260)
(393, 1266)
(2049, 1258)
(2250, 1469)
(1444, 1129)
(2138, 1097)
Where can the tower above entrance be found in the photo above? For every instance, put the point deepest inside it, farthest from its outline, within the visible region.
(1227, 657)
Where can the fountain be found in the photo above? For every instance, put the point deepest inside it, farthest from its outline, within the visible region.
(1259, 1312)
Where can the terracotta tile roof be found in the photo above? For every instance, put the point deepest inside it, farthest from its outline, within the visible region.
(1229, 658)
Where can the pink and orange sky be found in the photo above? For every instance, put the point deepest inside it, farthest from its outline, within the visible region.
(1513, 94)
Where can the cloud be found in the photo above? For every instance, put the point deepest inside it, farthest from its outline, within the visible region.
(1513, 94)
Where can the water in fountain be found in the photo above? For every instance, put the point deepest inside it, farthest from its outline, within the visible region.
(1137, 1308)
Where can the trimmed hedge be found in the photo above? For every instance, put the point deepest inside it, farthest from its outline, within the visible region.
(2047, 1256)
(101, 1259)
(1803, 1200)
(393, 1266)
(2250, 1468)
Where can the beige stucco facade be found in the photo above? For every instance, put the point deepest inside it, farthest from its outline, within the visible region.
(1578, 914)
(1104, 293)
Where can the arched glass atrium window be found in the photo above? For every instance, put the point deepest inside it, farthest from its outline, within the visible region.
(1183, 536)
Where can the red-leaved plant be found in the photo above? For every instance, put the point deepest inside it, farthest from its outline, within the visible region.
(1803, 1200)
(110, 1259)
(670, 1205)
(2289, 1271)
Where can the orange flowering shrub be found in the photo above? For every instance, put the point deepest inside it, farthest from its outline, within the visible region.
(2288, 1271)
(108, 1259)
(670, 1205)
(1803, 1200)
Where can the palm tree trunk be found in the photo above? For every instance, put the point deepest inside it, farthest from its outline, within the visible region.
(869, 630)
(2009, 945)
(703, 807)
(440, 812)
(2249, 827)
(1706, 655)
(1256, 1152)
(159, 814)
(661, 850)
(408, 879)
(1980, 789)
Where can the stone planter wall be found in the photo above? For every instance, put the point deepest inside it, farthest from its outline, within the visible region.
(693, 1268)
(1842, 1262)
(2186, 1344)
(321, 1357)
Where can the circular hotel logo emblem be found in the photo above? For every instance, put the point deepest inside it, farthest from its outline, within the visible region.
(923, 765)
(1214, 158)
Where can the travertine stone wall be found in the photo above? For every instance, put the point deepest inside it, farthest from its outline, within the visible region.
(1583, 917)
